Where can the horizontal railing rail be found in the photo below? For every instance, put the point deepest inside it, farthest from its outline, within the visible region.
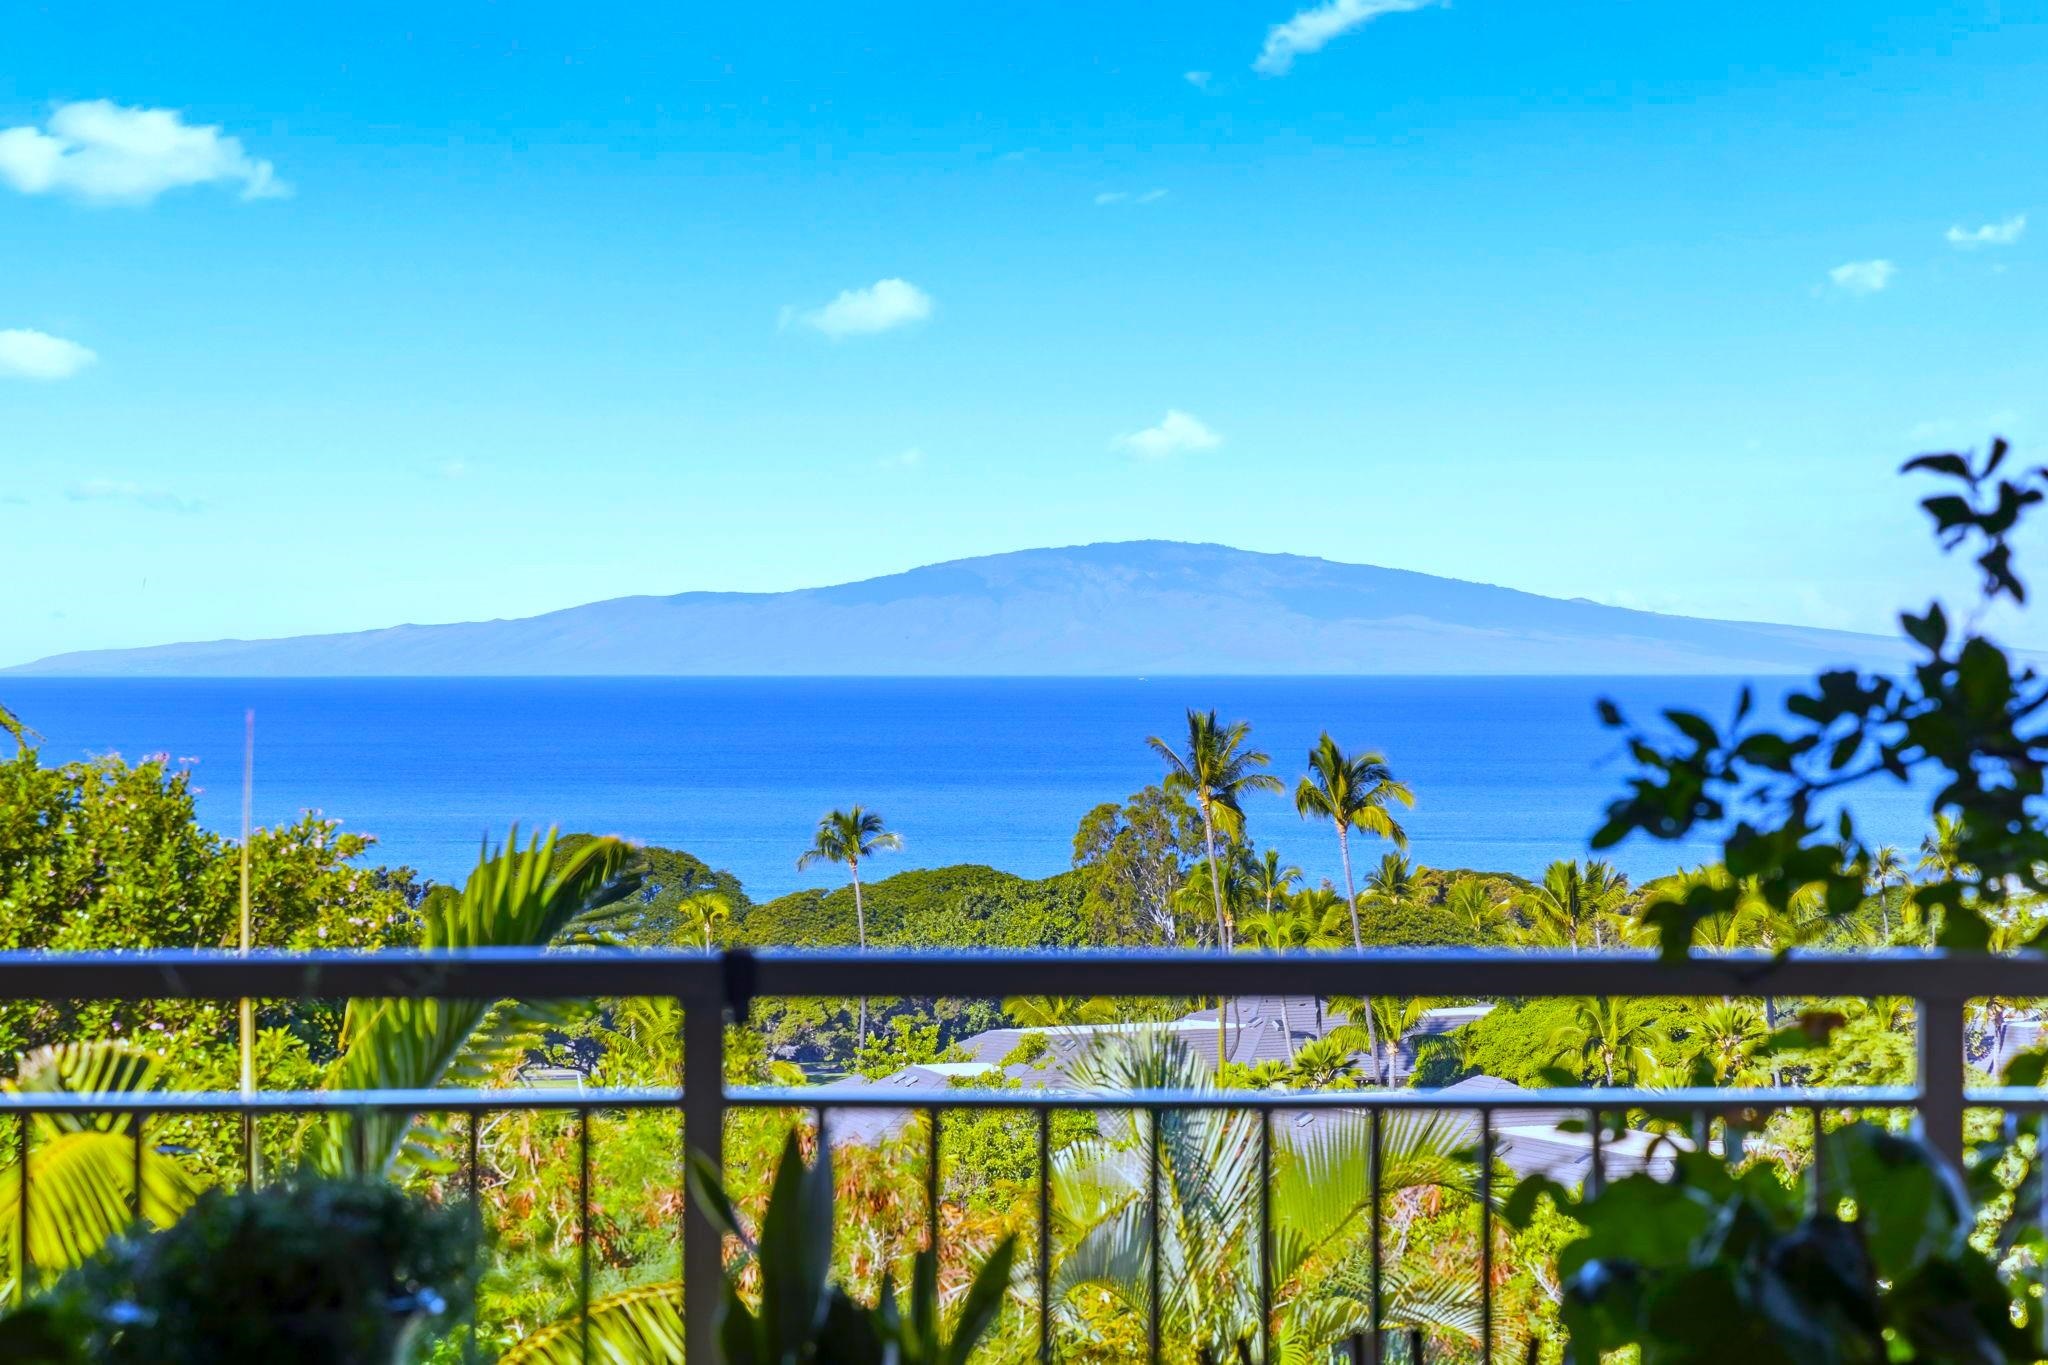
(523, 972)
(715, 986)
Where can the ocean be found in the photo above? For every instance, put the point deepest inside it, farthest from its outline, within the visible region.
(1509, 773)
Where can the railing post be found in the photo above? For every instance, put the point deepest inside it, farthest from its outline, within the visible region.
(704, 1131)
(1941, 1076)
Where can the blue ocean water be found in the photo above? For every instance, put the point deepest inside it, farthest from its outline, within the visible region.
(1509, 773)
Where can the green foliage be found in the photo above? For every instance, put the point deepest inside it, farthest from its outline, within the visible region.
(1966, 715)
(1130, 860)
(669, 880)
(1523, 1040)
(515, 898)
(907, 1043)
(83, 1168)
(106, 855)
(1714, 1266)
(803, 1317)
(312, 1272)
(966, 906)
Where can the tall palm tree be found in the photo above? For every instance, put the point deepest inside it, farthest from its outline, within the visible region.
(1216, 768)
(847, 836)
(1352, 791)
(1887, 868)
(1271, 882)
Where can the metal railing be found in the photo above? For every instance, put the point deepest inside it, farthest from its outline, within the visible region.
(713, 988)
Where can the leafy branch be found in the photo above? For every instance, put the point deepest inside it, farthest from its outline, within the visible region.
(1964, 713)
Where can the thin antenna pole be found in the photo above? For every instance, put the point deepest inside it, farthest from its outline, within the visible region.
(250, 1157)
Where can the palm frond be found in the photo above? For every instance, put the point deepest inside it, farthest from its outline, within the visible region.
(632, 1327)
(514, 899)
(83, 1168)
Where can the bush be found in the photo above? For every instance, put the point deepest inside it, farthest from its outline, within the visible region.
(316, 1272)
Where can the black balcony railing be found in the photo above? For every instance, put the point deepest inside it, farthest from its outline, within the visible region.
(713, 988)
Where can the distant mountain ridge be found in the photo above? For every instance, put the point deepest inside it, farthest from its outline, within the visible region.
(1129, 608)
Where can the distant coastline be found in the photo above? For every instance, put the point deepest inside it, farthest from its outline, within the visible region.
(1152, 609)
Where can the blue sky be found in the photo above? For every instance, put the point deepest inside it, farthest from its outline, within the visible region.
(463, 311)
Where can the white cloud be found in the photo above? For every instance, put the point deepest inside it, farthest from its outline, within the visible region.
(123, 490)
(1862, 277)
(1991, 234)
(455, 469)
(1312, 29)
(26, 354)
(1126, 197)
(99, 151)
(1199, 79)
(885, 304)
(1177, 434)
(903, 459)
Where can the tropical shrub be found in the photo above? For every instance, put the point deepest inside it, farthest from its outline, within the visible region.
(1714, 1265)
(313, 1272)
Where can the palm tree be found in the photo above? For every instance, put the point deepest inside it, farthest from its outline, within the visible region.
(1607, 1033)
(1570, 906)
(1394, 1019)
(847, 836)
(1728, 1031)
(1392, 882)
(1208, 1215)
(1325, 1064)
(1352, 791)
(1270, 881)
(1058, 1011)
(1216, 769)
(1473, 906)
(1887, 866)
(1941, 849)
(705, 915)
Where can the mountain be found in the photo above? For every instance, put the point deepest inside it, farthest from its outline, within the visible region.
(1126, 609)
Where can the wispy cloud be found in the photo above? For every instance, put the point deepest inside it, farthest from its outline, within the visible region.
(903, 459)
(1313, 29)
(99, 151)
(1178, 433)
(1127, 197)
(1862, 277)
(883, 305)
(455, 469)
(26, 354)
(123, 490)
(1991, 234)
(1199, 79)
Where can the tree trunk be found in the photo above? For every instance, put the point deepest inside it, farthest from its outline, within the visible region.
(1372, 1032)
(860, 928)
(1222, 933)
